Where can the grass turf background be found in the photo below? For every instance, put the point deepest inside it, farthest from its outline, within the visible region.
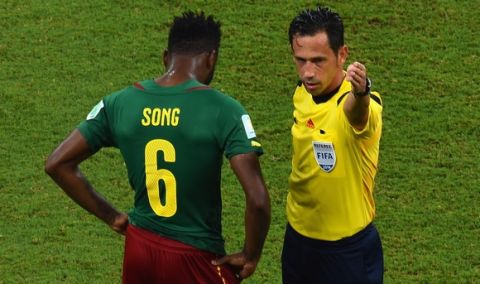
(58, 58)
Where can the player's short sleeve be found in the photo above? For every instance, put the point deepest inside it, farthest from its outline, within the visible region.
(95, 128)
(235, 131)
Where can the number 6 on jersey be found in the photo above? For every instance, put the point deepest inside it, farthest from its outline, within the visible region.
(154, 175)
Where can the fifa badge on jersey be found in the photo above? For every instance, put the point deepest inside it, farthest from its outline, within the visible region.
(247, 124)
(95, 110)
(324, 155)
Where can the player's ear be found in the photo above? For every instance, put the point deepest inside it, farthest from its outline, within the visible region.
(212, 59)
(166, 59)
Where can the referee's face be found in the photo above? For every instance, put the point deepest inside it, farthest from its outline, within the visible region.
(319, 68)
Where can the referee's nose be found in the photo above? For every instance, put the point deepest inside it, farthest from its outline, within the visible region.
(308, 71)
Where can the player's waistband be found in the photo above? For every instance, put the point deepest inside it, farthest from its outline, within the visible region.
(322, 244)
(163, 242)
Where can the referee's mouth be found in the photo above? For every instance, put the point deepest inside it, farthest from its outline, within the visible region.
(311, 86)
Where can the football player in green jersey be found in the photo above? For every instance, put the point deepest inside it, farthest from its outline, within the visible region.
(173, 132)
(330, 237)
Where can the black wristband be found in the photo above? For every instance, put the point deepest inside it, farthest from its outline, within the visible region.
(367, 89)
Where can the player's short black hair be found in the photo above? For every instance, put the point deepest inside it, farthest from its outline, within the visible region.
(320, 19)
(194, 33)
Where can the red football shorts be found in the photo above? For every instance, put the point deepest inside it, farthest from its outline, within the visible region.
(151, 258)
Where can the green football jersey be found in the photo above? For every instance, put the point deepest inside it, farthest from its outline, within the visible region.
(173, 140)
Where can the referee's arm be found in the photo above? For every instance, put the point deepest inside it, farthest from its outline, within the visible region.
(357, 104)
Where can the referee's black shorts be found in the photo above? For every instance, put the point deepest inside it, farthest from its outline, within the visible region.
(356, 259)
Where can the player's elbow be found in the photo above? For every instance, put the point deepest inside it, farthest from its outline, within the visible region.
(259, 202)
(52, 166)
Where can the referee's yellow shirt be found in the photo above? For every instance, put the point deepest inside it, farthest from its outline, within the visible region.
(333, 167)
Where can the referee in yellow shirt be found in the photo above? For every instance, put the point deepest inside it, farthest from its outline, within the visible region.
(330, 237)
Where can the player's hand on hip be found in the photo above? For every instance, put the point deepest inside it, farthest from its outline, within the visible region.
(243, 268)
(120, 223)
(357, 75)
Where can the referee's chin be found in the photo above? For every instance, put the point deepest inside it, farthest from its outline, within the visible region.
(313, 89)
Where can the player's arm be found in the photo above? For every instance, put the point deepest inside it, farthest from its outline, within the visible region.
(62, 167)
(257, 214)
(357, 104)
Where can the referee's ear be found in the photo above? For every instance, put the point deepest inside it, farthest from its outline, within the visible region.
(342, 55)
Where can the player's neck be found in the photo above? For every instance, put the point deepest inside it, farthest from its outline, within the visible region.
(183, 68)
(173, 79)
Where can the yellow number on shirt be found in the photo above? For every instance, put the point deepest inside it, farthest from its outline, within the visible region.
(154, 175)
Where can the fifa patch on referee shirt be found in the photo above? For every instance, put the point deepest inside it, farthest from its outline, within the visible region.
(95, 110)
(247, 124)
(324, 155)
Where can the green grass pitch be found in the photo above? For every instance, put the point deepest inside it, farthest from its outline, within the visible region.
(58, 58)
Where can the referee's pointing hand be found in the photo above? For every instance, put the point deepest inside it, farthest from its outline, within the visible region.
(357, 75)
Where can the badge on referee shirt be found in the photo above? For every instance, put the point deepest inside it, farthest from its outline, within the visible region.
(324, 155)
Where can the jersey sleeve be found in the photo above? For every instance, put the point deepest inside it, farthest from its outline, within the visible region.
(374, 118)
(95, 128)
(236, 132)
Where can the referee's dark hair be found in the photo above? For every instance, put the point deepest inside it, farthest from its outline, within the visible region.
(193, 33)
(321, 19)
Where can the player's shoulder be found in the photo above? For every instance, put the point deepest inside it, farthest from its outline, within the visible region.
(231, 103)
(218, 96)
(199, 87)
(122, 94)
(118, 93)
